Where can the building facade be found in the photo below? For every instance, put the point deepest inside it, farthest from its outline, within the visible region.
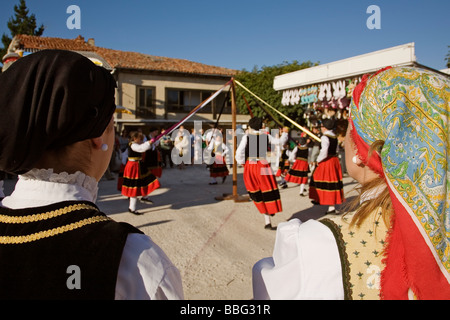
(155, 91)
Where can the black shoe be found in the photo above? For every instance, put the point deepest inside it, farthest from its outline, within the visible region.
(302, 195)
(146, 200)
(284, 185)
(269, 227)
(224, 178)
(137, 213)
(315, 202)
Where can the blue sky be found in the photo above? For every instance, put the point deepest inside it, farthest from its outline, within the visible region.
(248, 33)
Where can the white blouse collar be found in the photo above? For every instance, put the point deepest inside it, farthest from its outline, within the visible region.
(40, 187)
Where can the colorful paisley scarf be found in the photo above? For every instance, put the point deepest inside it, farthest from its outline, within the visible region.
(409, 109)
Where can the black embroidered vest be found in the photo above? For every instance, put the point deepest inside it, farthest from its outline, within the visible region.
(302, 153)
(133, 154)
(257, 146)
(46, 252)
(332, 149)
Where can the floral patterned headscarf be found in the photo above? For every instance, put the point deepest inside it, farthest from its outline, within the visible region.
(409, 109)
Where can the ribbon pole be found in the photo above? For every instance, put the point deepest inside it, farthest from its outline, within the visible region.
(287, 118)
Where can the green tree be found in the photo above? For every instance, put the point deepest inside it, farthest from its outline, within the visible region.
(21, 23)
(260, 82)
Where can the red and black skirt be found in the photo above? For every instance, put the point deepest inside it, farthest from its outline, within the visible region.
(137, 180)
(151, 160)
(218, 168)
(262, 186)
(326, 185)
(156, 171)
(299, 172)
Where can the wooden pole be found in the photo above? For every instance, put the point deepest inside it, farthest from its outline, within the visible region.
(233, 126)
(234, 196)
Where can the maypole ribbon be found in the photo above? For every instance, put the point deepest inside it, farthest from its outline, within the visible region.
(190, 114)
(248, 106)
(312, 135)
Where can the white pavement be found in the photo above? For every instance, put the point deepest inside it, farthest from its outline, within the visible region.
(213, 243)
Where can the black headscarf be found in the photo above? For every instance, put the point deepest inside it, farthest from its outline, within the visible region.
(48, 100)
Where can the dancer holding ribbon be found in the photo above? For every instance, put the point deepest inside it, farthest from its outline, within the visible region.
(258, 175)
(138, 180)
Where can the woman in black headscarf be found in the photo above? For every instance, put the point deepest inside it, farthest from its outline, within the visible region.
(57, 134)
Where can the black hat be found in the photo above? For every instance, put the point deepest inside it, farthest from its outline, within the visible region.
(48, 100)
(255, 123)
(329, 124)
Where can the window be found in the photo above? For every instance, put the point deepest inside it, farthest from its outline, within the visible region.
(146, 102)
(220, 102)
(185, 100)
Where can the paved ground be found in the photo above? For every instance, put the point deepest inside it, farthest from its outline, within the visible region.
(213, 243)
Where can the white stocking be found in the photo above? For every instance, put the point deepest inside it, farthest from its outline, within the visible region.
(133, 202)
(302, 188)
(267, 219)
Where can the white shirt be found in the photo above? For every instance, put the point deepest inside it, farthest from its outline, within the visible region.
(325, 144)
(219, 146)
(145, 272)
(283, 139)
(141, 147)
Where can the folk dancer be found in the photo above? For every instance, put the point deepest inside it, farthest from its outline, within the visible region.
(181, 148)
(219, 152)
(259, 179)
(137, 180)
(326, 187)
(300, 169)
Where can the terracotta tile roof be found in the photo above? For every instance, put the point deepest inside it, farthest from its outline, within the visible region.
(123, 59)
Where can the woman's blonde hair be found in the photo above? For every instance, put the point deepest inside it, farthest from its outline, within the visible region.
(381, 201)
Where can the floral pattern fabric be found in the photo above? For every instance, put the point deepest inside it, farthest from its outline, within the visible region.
(409, 109)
